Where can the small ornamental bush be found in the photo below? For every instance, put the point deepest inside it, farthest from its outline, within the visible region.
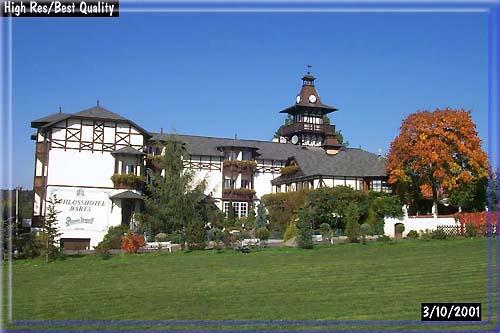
(326, 231)
(412, 234)
(28, 245)
(426, 235)
(365, 229)
(112, 240)
(471, 230)
(290, 232)
(383, 238)
(132, 242)
(228, 239)
(262, 233)
(214, 234)
(439, 234)
(352, 224)
(400, 228)
(161, 237)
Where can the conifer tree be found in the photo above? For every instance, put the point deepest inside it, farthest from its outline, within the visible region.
(172, 197)
(50, 229)
(261, 219)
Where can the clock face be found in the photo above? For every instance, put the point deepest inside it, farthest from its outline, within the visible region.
(312, 99)
(298, 99)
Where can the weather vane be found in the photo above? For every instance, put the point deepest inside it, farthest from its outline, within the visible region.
(308, 69)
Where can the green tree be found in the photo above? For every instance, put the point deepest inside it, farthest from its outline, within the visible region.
(50, 230)
(288, 121)
(304, 229)
(231, 216)
(352, 222)
(365, 229)
(172, 198)
(261, 219)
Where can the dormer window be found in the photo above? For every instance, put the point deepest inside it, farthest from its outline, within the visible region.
(130, 169)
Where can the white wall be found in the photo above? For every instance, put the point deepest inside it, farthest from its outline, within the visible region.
(417, 224)
(262, 183)
(80, 168)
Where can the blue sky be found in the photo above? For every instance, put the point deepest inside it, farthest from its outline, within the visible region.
(217, 74)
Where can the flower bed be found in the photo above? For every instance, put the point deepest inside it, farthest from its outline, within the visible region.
(240, 165)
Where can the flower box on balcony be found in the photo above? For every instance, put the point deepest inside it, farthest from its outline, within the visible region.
(240, 166)
(128, 181)
(238, 193)
(289, 170)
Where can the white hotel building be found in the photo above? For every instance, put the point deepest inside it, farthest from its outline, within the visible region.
(96, 161)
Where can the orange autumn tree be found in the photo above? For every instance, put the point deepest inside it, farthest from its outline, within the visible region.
(436, 153)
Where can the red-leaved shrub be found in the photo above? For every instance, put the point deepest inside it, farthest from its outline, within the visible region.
(479, 220)
(132, 242)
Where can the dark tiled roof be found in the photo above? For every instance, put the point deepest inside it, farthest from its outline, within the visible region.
(208, 146)
(350, 162)
(99, 112)
(127, 151)
(96, 112)
(49, 119)
(127, 195)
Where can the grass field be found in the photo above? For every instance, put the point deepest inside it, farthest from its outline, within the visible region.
(378, 281)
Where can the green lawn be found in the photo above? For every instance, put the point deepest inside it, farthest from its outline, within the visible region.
(378, 281)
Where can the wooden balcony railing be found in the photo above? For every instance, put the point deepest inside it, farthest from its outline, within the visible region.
(307, 127)
(128, 181)
(243, 194)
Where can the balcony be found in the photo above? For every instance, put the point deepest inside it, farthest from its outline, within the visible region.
(238, 194)
(153, 162)
(307, 128)
(238, 166)
(128, 181)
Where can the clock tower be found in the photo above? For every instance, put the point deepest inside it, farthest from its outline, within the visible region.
(307, 127)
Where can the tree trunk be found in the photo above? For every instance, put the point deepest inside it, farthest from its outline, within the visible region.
(434, 202)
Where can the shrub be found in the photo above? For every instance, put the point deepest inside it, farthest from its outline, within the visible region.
(113, 239)
(175, 238)
(325, 230)
(228, 239)
(290, 232)
(413, 234)
(400, 228)
(439, 234)
(384, 238)
(304, 230)
(132, 242)
(28, 245)
(161, 237)
(352, 225)
(365, 229)
(196, 236)
(471, 230)
(426, 235)
(262, 233)
(214, 234)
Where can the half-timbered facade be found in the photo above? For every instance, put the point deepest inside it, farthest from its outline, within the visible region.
(95, 161)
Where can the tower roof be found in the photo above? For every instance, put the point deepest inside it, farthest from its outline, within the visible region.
(308, 99)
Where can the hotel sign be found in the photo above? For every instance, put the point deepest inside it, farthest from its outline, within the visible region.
(82, 209)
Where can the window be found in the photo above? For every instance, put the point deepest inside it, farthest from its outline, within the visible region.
(245, 155)
(130, 169)
(230, 155)
(229, 183)
(245, 183)
(240, 208)
(376, 185)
